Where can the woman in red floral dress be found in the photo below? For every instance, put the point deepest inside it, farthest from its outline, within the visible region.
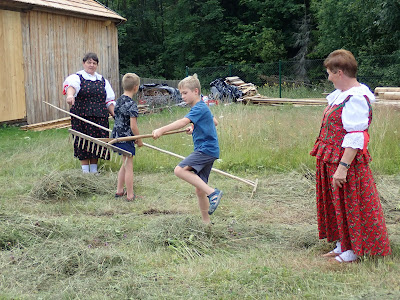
(348, 206)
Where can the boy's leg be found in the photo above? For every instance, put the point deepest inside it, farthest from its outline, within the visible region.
(201, 164)
(128, 165)
(186, 174)
(203, 205)
(121, 177)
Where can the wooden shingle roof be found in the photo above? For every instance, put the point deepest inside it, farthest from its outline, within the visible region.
(81, 8)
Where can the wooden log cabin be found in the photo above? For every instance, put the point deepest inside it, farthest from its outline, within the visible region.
(42, 42)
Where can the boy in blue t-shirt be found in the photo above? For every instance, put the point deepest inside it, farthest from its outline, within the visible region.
(195, 169)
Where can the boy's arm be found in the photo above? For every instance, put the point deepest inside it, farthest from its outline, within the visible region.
(215, 121)
(135, 131)
(172, 126)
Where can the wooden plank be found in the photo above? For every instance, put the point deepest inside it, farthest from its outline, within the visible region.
(380, 89)
(60, 123)
(54, 46)
(390, 95)
(12, 81)
(264, 100)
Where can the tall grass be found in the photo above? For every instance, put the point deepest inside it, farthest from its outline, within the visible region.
(63, 235)
(292, 90)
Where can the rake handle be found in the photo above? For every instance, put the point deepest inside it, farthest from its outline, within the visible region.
(78, 117)
(142, 136)
(249, 182)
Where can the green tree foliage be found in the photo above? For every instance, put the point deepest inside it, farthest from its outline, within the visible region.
(161, 37)
(361, 26)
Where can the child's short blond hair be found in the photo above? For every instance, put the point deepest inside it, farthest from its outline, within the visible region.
(130, 81)
(190, 82)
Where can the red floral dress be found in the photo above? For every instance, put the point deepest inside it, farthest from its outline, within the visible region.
(352, 214)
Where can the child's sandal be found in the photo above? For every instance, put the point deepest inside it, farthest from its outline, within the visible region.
(117, 195)
(131, 199)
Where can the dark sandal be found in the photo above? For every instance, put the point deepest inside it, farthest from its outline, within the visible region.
(131, 199)
(117, 195)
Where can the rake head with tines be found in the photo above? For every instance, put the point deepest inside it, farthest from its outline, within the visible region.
(88, 142)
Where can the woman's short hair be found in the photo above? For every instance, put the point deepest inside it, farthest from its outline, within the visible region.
(342, 60)
(91, 55)
(190, 82)
(129, 81)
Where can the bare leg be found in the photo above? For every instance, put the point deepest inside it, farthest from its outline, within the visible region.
(187, 175)
(203, 205)
(85, 165)
(121, 178)
(128, 165)
(84, 162)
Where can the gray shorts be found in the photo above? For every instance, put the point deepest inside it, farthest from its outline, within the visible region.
(200, 163)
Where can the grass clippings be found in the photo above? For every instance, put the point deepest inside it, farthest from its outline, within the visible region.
(70, 184)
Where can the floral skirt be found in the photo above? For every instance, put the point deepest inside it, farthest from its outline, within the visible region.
(352, 214)
(85, 150)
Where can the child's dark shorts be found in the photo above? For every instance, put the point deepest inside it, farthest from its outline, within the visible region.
(201, 164)
(127, 146)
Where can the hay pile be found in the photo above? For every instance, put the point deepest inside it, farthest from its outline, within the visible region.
(70, 184)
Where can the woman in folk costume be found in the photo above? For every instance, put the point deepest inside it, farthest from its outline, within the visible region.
(348, 206)
(90, 96)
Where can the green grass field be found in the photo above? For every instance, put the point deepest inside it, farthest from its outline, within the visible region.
(63, 235)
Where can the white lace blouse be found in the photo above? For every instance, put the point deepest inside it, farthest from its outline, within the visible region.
(355, 113)
(74, 81)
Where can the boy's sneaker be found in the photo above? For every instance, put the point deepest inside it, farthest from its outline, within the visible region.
(214, 199)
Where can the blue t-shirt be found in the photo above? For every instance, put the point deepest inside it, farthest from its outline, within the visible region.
(205, 137)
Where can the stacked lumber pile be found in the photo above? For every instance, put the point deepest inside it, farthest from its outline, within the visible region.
(143, 108)
(59, 123)
(262, 100)
(247, 89)
(250, 95)
(387, 93)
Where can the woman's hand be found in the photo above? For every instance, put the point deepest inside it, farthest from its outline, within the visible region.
(339, 178)
(70, 100)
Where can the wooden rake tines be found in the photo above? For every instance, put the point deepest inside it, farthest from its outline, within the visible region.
(88, 142)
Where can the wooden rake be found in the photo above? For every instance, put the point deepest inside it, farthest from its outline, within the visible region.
(253, 184)
(100, 146)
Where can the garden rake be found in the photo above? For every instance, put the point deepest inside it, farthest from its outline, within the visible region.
(100, 146)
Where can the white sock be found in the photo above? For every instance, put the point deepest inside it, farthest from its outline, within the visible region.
(93, 168)
(338, 248)
(85, 168)
(348, 255)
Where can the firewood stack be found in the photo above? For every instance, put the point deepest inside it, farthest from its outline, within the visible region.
(248, 89)
(387, 93)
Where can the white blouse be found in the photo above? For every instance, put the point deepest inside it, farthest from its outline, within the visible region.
(355, 113)
(74, 81)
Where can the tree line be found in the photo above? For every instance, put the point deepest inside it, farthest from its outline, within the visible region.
(162, 37)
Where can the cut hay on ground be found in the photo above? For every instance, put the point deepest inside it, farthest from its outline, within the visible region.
(70, 184)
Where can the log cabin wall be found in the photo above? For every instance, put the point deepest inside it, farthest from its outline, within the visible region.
(53, 48)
